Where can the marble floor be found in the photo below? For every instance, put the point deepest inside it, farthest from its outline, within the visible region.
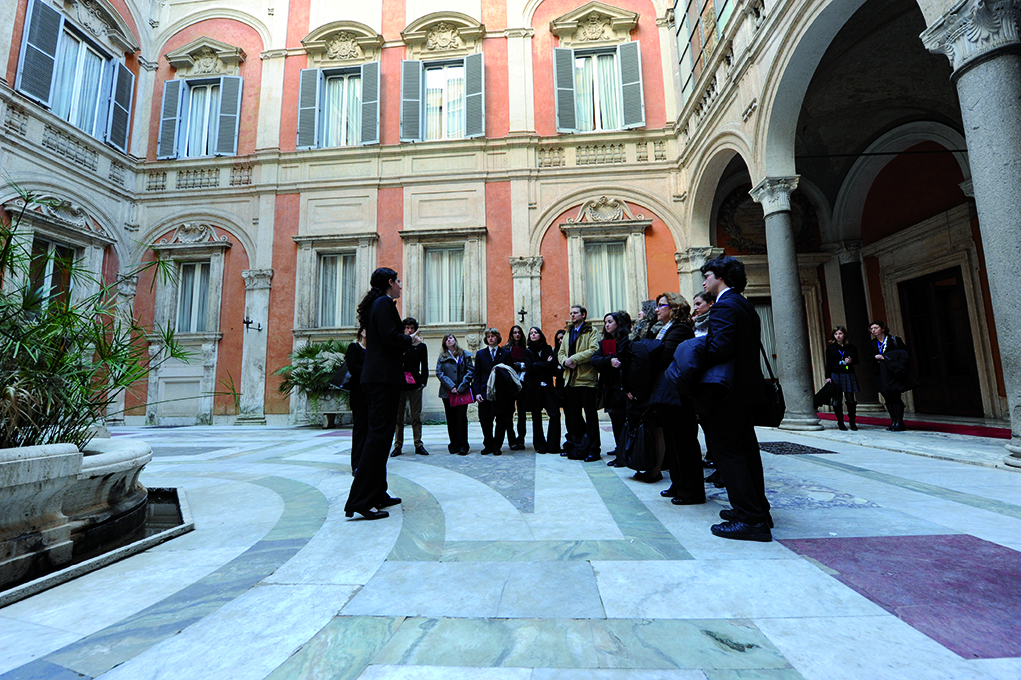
(895, 556)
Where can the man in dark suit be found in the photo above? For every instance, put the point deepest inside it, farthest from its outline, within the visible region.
(729, 421)
(416, 376)
(485, 359)
(382, 380)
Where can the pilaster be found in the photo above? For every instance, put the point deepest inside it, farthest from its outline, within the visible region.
(525, 272)
(253, 353)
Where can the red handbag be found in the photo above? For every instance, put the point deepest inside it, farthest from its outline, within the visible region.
(462, 399)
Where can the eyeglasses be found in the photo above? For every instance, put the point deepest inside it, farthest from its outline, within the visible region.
(663, 306)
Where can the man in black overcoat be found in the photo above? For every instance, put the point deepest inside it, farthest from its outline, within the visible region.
(729, 421)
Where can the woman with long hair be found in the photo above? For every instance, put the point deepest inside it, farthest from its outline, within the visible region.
(455, 371)
(520, 358)
(382, 379)
(841, 358)
(609, 361)
(540, 392)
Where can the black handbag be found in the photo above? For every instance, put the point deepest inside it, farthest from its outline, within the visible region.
(770, 414)
(341, 377)
(639, 445)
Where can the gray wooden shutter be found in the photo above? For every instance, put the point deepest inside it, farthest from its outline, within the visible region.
(120, 107)
(38, 64)
(629, 56)
(309, 88)
(474, 96)
(370, 103)
(170, 119)
(412, 101)
(230, 116)
(563, 84)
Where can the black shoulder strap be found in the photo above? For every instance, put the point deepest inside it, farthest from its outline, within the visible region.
(766, 358)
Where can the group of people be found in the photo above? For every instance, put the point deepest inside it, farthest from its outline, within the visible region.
(622, 370)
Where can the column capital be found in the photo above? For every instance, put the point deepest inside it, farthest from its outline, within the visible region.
(774, 193)
(257, 279)
(525, 266)
(972, 29)
(693, 258)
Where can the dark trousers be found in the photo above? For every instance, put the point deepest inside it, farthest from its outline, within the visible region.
(730, 434)
(489, 411)
(894, 404)
(548, 403)
(519, 406)
(618, 419)
(457, 426)
(409, 400)
(369, 485)
(581, 413)
(684, 455)
(358, 431)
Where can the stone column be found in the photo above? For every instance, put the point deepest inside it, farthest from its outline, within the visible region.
(790, 325)
(980, 37)
(253, 352)
(126, 288)
(525, 272)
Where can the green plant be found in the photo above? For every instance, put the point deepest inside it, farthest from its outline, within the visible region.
(66, 351)
(310, 370)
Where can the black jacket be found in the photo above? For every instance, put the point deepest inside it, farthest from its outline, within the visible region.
(484, 366)
(833, 358)
(734, 332)
(416, 362)
(385, 344)
(354, 358)
(539, 370)
(893, 374)
(611, 380)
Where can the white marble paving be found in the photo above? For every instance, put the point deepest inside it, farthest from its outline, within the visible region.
(22, 641)
(616, 674)
(392, 672)
(1000, 669)
(567, 505)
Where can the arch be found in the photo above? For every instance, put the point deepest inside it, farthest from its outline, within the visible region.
(850, 201)
(706, 178)
(545, 219)
(220, 218)
(160, 41)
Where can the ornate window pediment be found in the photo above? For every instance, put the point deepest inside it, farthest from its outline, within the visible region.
(206, 57)
(604, 211)
(193, 236)
(595, 24)
(443, 34)
(63, 219)
(103, 21)
(342, 43)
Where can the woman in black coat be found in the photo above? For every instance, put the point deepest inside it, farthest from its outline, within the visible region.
(354, 359)
(540, 392)
(890, 362)
(841, 358)
(609, 361)
(520, 358)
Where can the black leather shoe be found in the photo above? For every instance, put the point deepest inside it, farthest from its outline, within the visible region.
(650, 479)
(729, 515)
(368, 513)
(593, 458)
(668, 493)
(420, 450)
(497, 452)
(395, 453)
(387, 502)
(687, 501)
(743, 532)
(486, 452)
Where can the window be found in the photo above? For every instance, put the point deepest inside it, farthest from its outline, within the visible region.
(200, 118)
(192, 297)
(699, 27)
(338, 290)
(599, 90)
(605, 278)
(339, 107)
(443, 100)
(444, 285)
(74, 77)
(51, 271)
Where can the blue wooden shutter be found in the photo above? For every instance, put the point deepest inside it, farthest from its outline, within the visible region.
(629, 56)
(230, 116)
(309, 89)
(474, 96)
(170, 119)
(412, 101)
(119, 121)
(370, 103)
(563, 84)
(38, 65)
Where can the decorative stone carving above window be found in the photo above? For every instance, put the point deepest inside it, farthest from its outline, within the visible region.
(604, 209)
(191, 235)
(442, 35)
(206, 57)
(63, 218)
(595, 24)
(342, 43)
(103, 21)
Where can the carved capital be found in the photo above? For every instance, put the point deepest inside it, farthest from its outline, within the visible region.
(525, 267)
(774, 193)
(850, 251)
(127, 286)
(257, 279)
(693, 258)
(972, 29)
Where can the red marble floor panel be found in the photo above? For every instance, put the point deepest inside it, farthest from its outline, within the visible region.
(959, 590)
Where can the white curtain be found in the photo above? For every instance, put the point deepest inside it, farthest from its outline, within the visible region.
(202, 298)
(605, 279)
(455, 102)
(342, 111)
(328, 291)
(63, 87)
(337, 291)
(185, 292)
(435, 80)
(349, 291)
(333, 112)
(444, 285)
(584, 105)
(768, 337)
(354, 111)
(88, 91)
(204, 107)
(609, 91)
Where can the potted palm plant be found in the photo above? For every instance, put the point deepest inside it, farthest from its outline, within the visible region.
(309, 373)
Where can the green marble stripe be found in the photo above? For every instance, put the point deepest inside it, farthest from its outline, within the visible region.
(303, 515)
(340, 651)
(632, 516)
(582, 643)
(423, 528)
(991, 505)
(553, 551)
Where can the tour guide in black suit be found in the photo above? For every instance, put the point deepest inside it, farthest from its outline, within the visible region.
(728, 422)
(382, 381)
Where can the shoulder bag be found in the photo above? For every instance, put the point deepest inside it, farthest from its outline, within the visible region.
(770, 414)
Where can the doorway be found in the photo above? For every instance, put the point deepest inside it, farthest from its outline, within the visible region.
(939, 335)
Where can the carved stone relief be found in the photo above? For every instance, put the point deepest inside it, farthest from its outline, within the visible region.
(604, 209)
(192, 233)
(342, 43)
(593, 25)
(445, 34)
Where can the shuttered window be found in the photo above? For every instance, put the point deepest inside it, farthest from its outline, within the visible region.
(443, 100)
(62, 69)
(338, 107)
(599, 90)
(200, 118)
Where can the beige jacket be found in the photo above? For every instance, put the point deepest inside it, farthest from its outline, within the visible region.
(584, 374)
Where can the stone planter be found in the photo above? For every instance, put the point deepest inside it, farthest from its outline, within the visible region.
(333, 412)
